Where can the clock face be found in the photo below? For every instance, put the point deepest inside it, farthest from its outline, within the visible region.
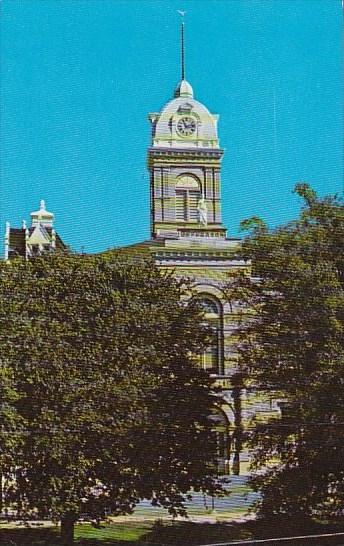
(186, 126)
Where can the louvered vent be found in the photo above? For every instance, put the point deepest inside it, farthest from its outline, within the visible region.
(181, 197)
(194, 197)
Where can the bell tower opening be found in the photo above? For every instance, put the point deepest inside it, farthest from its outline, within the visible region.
(188, 194)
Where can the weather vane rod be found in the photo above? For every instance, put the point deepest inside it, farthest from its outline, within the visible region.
(182, 14)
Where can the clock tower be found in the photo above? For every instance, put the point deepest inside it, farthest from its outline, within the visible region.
(184, 162)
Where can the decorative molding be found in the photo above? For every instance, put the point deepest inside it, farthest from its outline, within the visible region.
(215, 153)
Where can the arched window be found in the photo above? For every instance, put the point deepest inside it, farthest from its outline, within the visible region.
(220, 427)
(210, 306)
(187, 196)
(212, 357)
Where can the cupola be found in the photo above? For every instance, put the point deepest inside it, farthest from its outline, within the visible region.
(42, 216)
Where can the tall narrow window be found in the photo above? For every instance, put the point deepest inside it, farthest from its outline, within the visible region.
(220, 427)
(212, 357)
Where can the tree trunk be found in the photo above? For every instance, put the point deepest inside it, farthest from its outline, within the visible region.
(67, 529)
(238, 430)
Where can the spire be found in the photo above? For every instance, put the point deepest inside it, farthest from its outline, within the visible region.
(182, 49)
(183, 89)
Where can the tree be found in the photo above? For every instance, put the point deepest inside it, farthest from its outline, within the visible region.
(291, 344)
(9, 421)
(113, 406)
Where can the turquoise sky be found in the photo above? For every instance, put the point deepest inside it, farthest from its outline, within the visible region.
(80, 76)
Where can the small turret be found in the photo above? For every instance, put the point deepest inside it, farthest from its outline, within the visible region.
(42, 216)
(37, 239)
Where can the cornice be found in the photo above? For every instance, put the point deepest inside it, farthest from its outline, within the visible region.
(196, 255)
(207, 153)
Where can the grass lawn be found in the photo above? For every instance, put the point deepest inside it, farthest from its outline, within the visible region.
(163, 533)
(152, 528)
(85, 534)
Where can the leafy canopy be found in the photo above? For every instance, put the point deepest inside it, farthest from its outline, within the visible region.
(100, 388)
(291, 343)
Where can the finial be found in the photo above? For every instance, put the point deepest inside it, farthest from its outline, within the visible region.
(182, 14)
(42, 204)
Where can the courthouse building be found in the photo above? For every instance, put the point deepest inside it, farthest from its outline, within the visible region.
(188, 237)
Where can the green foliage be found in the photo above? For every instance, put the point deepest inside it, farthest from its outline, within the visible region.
(97, 364)
(9, 419)
(292, 343)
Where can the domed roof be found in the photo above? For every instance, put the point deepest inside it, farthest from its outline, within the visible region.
(183, 89)
(164, 123)
(184, 122)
